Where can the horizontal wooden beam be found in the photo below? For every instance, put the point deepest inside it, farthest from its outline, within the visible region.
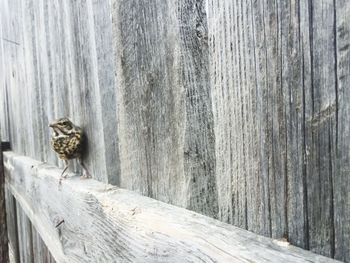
(102, 223)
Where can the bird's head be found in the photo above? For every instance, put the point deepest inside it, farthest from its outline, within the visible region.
(62, 126)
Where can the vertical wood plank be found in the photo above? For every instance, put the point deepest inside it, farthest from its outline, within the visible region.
(25, 239)
(56, 92)
(88, 97)
(342, 179)
(12, 224)
(320, 125)
(165, 123)
(4, 56)
(250, 114)
(295, 83)
(150, 100)
(31, 91)
(19, 96)
(42, 84)
(4, 250)
(40, 250)
(107, 86)
(199, 140)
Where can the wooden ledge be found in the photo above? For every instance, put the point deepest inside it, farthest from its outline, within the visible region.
(103, 223)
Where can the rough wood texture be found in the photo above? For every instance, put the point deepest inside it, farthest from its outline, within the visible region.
(165, 120)
(61, 68)
(25, 241)
(12, 230)
(238, 110)
(280, 119)
(122, 226)
(40, 250)
(341, 167)
(4, 249)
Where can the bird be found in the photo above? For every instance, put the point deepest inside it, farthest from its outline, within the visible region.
(67, 140)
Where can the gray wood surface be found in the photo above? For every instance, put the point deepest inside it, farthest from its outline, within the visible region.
(4, 247)
(12, 230)
(103, 223)
(59, 62)
(165, 121)
(40, 251)
(279, 116)
(238, 110)
(341, 180)
(25, 241)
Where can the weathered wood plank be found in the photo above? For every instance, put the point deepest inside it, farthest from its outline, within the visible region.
(25, 240)
(238, 110)
(107, 86)
(87, 89)
(123, 226)
(165, 124)
(11, 214)
(277, 115)
(150, 99)
(199, 140)
(320, 123)
(36, 120)
(342, 169)
(245, 70)
(18, 97)
(231, 202)
(4, 58)
(4, 115)
(4, 249)
(40, 250)
(295, 82)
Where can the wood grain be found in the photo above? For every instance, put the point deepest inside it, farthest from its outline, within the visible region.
(40, 250)
(234, 109)
(121, 226)
(165, 123)
(25, 241)
(12, 229)
(341, 180)
(4, 247)
(274, 72)
(63, 68)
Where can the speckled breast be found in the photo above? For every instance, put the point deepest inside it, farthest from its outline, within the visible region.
(67, 146)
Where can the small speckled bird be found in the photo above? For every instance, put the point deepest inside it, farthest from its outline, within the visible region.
(67, 140)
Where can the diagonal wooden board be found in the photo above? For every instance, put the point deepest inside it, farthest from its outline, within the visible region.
(103, 223)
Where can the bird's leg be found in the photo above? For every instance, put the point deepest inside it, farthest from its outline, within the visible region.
(65, 169)
(86, 173)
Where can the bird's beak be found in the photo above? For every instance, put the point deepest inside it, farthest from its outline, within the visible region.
(52, 125)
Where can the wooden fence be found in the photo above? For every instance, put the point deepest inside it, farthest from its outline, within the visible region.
(89, 221)
(238, 110)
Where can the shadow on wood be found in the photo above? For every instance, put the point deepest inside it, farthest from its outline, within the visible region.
(4, 249)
